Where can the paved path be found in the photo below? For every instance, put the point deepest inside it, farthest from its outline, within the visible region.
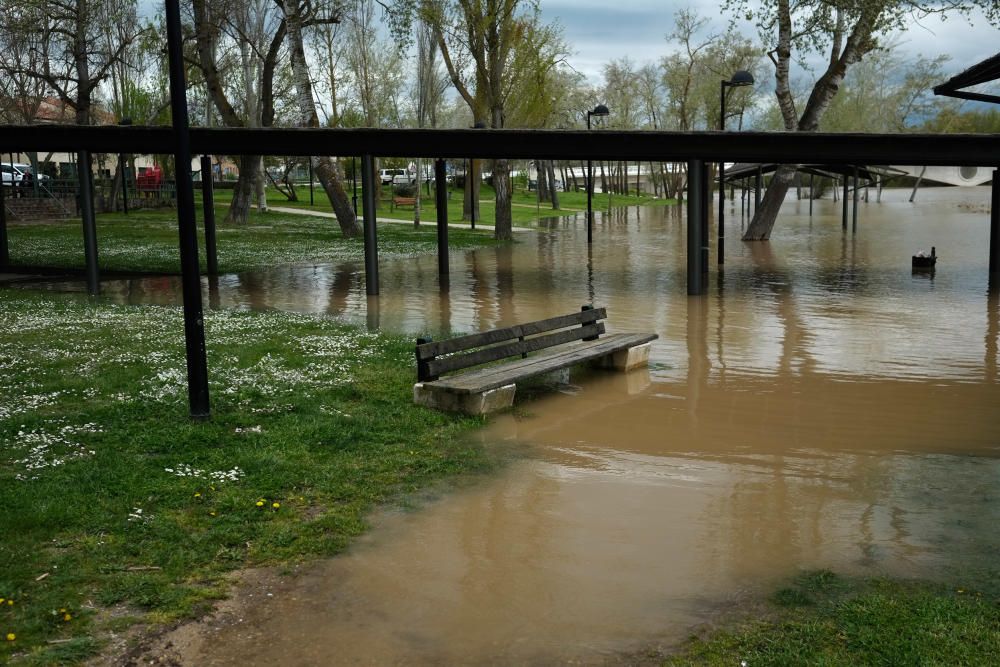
(328, 214)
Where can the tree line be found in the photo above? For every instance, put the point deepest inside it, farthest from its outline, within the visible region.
(469, 63)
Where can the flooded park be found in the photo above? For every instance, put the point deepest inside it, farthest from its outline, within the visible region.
(822, 406)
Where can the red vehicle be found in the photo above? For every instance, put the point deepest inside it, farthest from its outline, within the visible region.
(149, 180)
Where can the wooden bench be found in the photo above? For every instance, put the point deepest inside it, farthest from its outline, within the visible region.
(403, 201)
(573, 339)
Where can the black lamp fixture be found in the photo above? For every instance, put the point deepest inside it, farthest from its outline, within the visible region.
(740, 78)
(600, 110)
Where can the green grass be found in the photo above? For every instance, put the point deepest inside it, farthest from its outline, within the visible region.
(147, 241)
(525, 212)
(823, 619)
(113, 499)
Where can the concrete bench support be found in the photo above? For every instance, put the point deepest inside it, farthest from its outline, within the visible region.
(483, 403)
(626, 360)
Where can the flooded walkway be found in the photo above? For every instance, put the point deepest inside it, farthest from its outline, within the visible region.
(822, 406)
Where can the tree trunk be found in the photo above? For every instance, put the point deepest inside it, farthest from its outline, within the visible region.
(239, 209)
(326, 171)
(760, 226)
(416, 194)
(542, 181)
(502, 230)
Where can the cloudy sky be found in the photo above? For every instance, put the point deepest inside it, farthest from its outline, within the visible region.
(602, 30)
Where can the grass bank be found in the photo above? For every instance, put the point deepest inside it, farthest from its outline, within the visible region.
(147, 241)
(117, 508)
(824, 619)
(525, 212)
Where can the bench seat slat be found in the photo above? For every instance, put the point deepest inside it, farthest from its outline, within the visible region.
(488, 354)
(459, 343)
(486, 379)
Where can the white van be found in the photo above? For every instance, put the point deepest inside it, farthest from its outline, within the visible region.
(388, 176)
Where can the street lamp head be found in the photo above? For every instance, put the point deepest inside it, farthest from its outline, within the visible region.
(599, 110)
(741, 78)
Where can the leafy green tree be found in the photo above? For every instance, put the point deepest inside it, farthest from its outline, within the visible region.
(845, 31)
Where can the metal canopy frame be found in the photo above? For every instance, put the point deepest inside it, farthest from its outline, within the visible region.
(765, 147)
(984, 72)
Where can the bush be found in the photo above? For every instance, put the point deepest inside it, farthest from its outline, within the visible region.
(404, 190)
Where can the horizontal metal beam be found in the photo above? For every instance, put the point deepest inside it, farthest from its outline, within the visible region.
(783, 147)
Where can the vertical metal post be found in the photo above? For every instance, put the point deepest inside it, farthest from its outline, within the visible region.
(695, 198)
(371, 240)
(720, 249)
(706, 199)
(590, 197)
(208, 209)
(4, 245)
(124, 177)
(354, 184)
(811, 176)
(995, 232)
(85, 180)
(843, 222)
(854, 209)
(441, 183)
(194, 325)
(759, 185)
(311, 200)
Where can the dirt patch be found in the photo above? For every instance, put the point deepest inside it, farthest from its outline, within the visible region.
(180, 645)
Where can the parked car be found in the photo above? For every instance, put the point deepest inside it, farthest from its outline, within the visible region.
(388, 176)
(15, 172)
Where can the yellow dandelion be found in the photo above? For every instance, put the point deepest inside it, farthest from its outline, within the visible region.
(67, 617)
(11, 636)
(276, 505)
(10, 603)
(62, 611)
(197, 495)
(260, 503)
(211, 514)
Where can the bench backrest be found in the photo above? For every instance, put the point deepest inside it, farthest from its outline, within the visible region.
(497, 344)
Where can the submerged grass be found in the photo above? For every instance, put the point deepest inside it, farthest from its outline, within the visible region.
(824, 619)
(147, 240)
(113, 499)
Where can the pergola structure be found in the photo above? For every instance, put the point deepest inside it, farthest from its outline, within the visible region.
(696, 149)
(984, 72)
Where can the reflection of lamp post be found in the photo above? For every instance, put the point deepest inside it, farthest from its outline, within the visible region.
(474, 184)
(599, 110)
(740, 78)
(121, 169)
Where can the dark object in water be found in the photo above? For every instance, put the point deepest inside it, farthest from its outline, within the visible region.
(922, 261)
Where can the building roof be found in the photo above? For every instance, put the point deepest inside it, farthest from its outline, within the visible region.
(984, 72)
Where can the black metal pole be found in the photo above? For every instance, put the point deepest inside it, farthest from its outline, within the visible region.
(441, 183)
(354, 183)
(759, 186)
(695, 277)
(706, 199)
(4, 244)
(208, 209)
(995, 232)
(85, 179)
(854, 205)
(121, 171)
(312, 202)
(371, 240)
(590, 193)
(843, 222)
(194, 325)
(721, 246)
(811, 176)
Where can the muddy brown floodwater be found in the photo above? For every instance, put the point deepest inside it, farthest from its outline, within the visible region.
(821, 407)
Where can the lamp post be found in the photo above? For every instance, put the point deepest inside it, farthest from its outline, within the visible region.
(599, 110)
(740, 78)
